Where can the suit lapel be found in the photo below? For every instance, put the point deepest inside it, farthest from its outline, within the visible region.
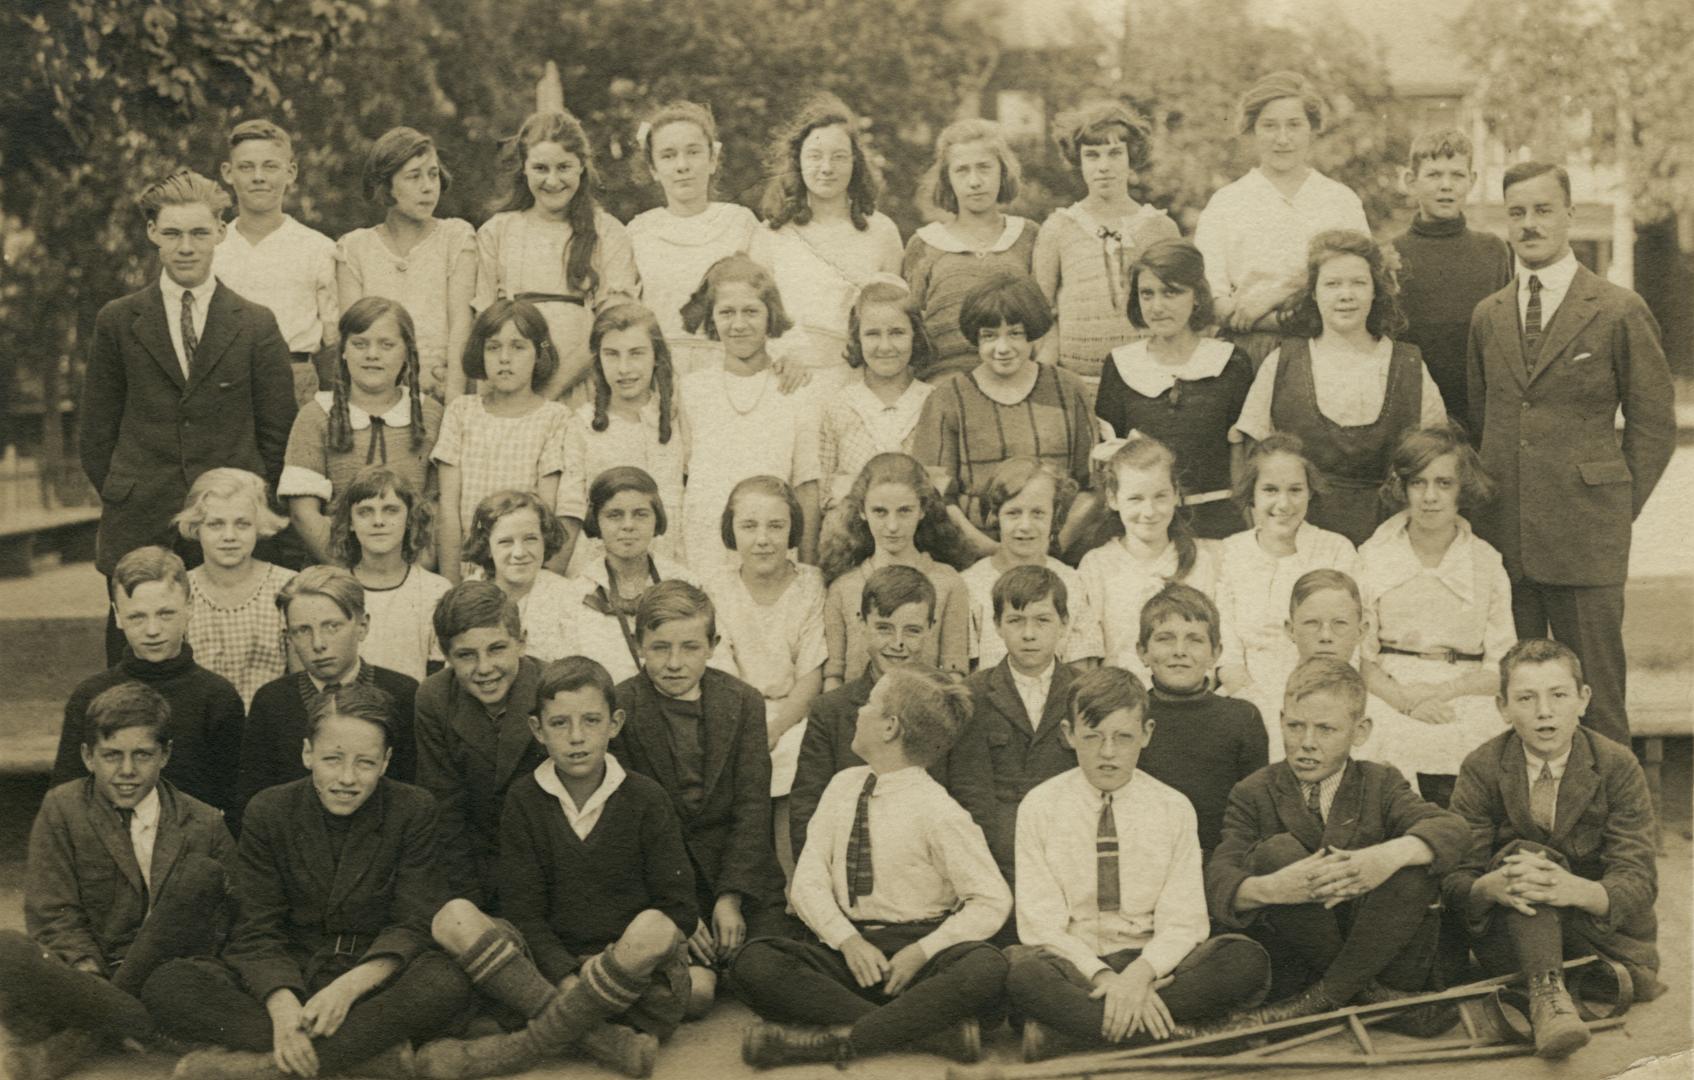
(1291, 808)
(514, 737)
(154, 334)
(314, 846)
(1514, 791)
(471, 720)
(1341, 828)
(359, 849)
(1575, 311)
(1576, 788)
(718, 736)
(645, 730)
(1003, 692)
(1053, 712)
(222, 322)
(168, 841)
(115, 839)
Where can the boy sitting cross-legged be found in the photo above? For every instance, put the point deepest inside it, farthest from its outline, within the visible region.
(124, 873)
(595, 881)
(901, 893)
(898, 610)
(1561, 844)
(1334, 864)
(1111, 901)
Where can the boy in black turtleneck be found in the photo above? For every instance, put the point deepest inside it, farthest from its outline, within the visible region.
(150, 599)
(1202, 744)
(1446, 268)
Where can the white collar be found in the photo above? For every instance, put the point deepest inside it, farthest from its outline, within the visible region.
(1557, 765)
(1555, 276)
(1040, 681)
(594, 571)
(1392, 543)
(552, 785)
(1149, 378)
(202, 292)
(148, 809)
(288, 225)
(358, 419)
(908, 776)
(938, 235)
(1270, 185)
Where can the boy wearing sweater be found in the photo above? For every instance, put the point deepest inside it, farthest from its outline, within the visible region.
(1110, 897)
(1206, 743)
(898, 612)
(150, 604)
(598, 898)
(1446, 267)
(901, 894)
(1561, 845)
(1334, 864)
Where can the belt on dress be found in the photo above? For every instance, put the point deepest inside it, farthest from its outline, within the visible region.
(1206, 497)
(550, 298)
(1447, 656)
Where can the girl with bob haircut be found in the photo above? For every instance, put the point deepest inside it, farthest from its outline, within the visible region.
(508, 436)
(234, 627)
(512, 535)
(626, 515)
(754, 426)
(1439, 610)
(635, 420)
(1254, 231)
(824, 238)
(974, 177)
(551, 243)
(676, 243)
(345, 428)
(1084, 251)
(380, 530)
(1341, 383)
(1178, 386)
(425, 263)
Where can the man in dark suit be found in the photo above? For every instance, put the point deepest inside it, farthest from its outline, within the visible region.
(1552, 358)
(183, 376)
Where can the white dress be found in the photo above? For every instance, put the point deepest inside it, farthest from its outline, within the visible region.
(548, 616)
(402, 633)
(770, 646)
(1119, 585)
(741, 427)
(672, 255)
(1081, 640)
(1254, 589)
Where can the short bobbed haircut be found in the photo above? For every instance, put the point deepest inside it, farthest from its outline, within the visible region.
(931, 706)
(770, 486)
(735, 269)
(1098, 123)
(1177, 263)
(570, 674)
(1535, 651)
(475, 605)
(129, 704)
(614, 482)
(1419, 447)
(891, 588)
(1022, 586)
(1005, 300)
(1009, 480)
(1326, 675)
(393, 150)
(530, 323)
(501, 504)
(1099, 693)
(360, 701)
(333, 583)
(1179, 601)
(1385, 318)
(373, 482)
(1274, 87)
(936, 187)
(228, 483)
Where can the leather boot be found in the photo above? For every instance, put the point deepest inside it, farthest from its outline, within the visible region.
(766, 1046)
(1041, 1042)
(1420, 1021)
(621, 1049)
(1559, 1031)
(488, 1055)
(961, 1042)
(46, 1059)
(1308, 1002)
(216, 1063)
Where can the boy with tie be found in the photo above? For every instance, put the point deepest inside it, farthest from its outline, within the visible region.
(901, 893)
(1561, 853)
(124, 874)
(1334, 864)
(1111, 902)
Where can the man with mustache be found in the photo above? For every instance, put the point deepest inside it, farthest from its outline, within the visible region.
(1552, 358)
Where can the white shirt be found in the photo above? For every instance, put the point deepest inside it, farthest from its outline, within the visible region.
(929, 861)
(1161, 892)
(581, 819)
(144, 832)
(1033, 690)
(292, 272)
(1254, 237)
(1555, 282)
(1350, 389)
(1327, 787)
(202, 294)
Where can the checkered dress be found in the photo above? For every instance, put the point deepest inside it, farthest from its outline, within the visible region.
(246, 644)
(495, 453)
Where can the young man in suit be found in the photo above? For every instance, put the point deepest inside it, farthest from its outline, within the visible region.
(330, 964)
(1333, 864)
(125, 872)
(898, 610)
(1561, 853)
(473, 735)
(1552, 358)
(183, 376)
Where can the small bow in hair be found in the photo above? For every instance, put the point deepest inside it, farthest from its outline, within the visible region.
(1105, 450)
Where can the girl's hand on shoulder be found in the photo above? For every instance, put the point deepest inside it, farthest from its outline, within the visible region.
(791, 375)
(1433, 711)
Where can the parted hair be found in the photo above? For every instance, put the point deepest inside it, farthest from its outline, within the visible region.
(936, 536)
(931, 706)
(499, 504)
(772, 486)
(1419, 447)
(1274, 87)
(1005, 300)
(572, 673)
(559, 126)
(372, 482)
(1537, 651)
(360, 701)
(677, 112)
(734, 269)
(891, 588)
(1326, 675)
(1175, 262)
(530, 323)
(1098, 123)
(260, 130)
(1323, 579)
(669, 601)
(332, 583)
(1386, 318)
(1099, 693)
(614, 482)
(181, 188)
(228, 483)
(896, 293)
(391, 152)
(475, 605)
(936, 187)
(1179, 601)
(1022, 586)
(786, 198)
(150, 563)
(629, 316)
(357, 319)
(1529, 170)
(1244, 490)
(125, 705)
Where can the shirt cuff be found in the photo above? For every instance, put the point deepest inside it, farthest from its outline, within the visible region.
(837, 931)
(299, 480)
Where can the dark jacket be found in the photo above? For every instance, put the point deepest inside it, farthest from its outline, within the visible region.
(1569, 490)
(1373, 804)
(84, 897)
(729, 836)
(300, 907)
(468, 763)
(1602, 825)
(276, 728)
(146, 433)
(1020, 754)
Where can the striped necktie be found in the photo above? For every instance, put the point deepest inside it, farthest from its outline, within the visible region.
(1106, 852)
(861, 879)
(1532, 324)
(190, 340)
(1314, 801)
(1544, 798)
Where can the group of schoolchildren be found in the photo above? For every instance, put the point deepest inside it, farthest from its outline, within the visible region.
(697, 690)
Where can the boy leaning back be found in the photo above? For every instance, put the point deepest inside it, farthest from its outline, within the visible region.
(1111, 900)
(1561, 845)
(898, 887)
